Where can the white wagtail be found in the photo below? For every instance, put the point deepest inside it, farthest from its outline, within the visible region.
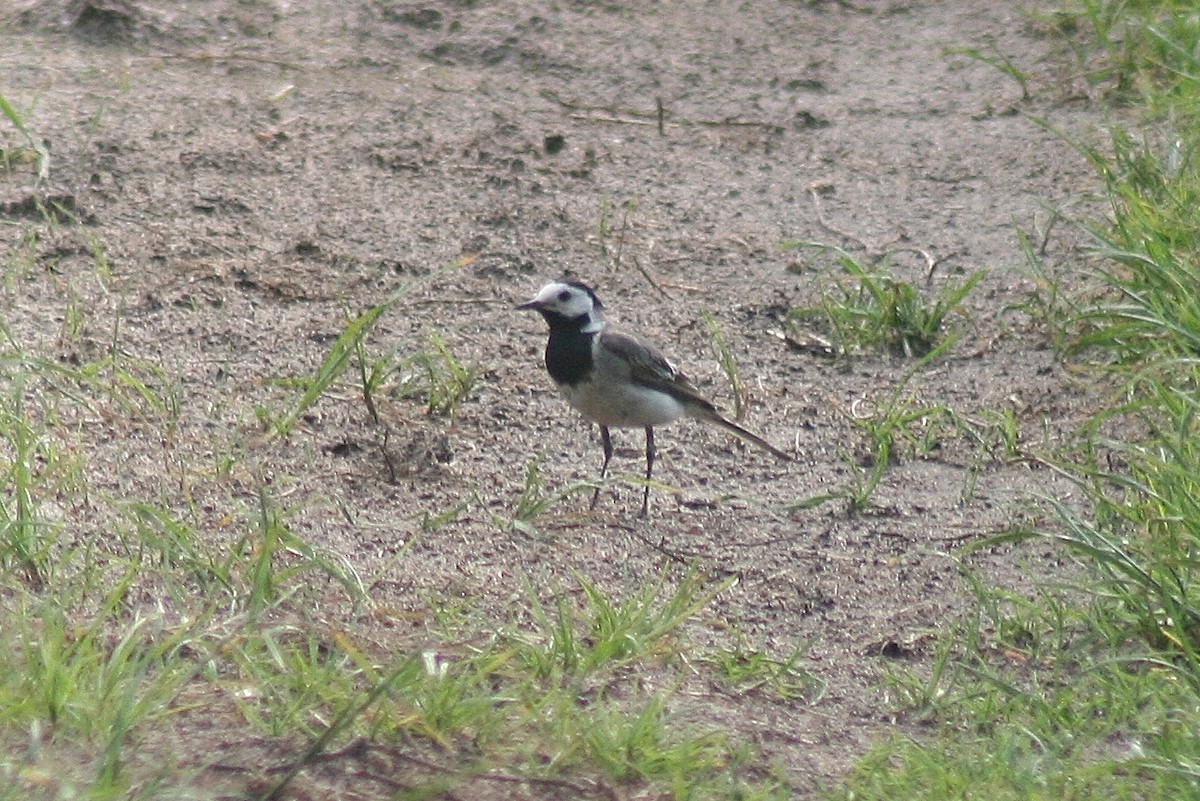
(616, 380)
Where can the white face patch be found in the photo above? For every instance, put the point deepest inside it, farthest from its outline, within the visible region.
(569, 301)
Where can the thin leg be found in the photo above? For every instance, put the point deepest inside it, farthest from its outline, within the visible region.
(649, 470)
(606, 441)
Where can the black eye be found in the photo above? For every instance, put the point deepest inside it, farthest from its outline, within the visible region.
(564, 296)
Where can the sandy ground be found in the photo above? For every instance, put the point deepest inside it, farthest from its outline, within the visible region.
(254, 169)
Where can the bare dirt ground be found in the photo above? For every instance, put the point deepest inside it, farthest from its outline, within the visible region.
(255, 168)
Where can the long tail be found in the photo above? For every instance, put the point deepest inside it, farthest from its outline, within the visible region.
(716, 418)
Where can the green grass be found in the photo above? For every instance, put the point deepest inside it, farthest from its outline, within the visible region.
(728, 364)
(544, 699)
(134, 606)
(438, 376)
(1146, 310)
(745, 669)
(35, 149)
(1090, 689)
(868, 308)
(989, 54)
(901, 422)
(347, 345)
(1047, 304)
(431, 372)
(126, 609)
(535, 501)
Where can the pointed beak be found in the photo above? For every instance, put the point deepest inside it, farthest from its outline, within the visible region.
(528, 305)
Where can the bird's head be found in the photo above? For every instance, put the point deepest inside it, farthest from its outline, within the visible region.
(568, 301)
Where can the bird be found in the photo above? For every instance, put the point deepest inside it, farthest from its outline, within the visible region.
(615, 379)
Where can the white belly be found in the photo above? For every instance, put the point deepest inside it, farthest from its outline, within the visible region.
(622, 405)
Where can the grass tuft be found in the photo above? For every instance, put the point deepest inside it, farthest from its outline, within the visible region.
(439, 376)
(728, 364)
(871, 309)
(40, 153)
